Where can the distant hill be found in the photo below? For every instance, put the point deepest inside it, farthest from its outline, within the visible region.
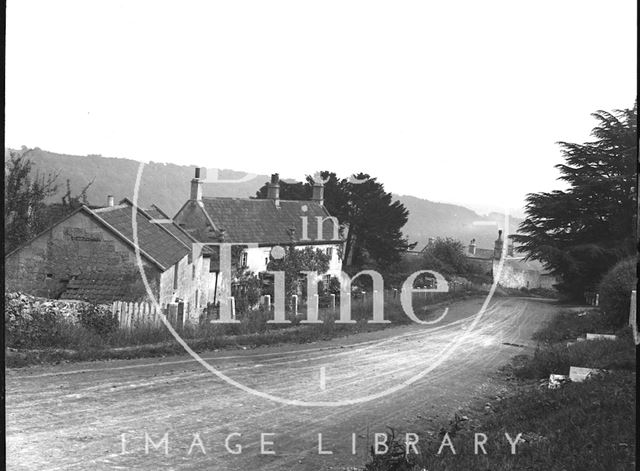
(431, 219)
(167, 185)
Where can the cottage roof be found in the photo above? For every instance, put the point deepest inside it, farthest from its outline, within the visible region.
(261, 221)
(99, 288)
(155, 239)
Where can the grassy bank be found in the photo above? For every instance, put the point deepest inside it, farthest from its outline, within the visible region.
(63, 340)
(580, 426)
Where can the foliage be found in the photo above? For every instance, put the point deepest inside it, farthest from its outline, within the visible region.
(97, 319)
(24, 197)
(370, 219)
(26, 324)
(581, 232)
(247, 290)
(25, 211)
(294, 262)
(615, 291)
(446, 256)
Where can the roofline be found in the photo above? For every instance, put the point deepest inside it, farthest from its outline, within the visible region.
(64, 218)
(100, 221)
(301, 242)
(145, 214)
(189, 236)
(130, 242)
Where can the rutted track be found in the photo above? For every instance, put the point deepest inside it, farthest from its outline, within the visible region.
(73, 416)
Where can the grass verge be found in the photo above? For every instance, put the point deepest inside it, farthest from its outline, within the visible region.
(72, 342)
(580, 426)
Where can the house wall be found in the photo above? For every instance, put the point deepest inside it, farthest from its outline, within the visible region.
(76, 246)
(195, 285)
(515, 276)
(258, 258)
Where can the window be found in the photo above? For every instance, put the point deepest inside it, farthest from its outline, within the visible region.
(327, 279)
(243, 259)
(193, 272)
(329, 251)
(266, 261)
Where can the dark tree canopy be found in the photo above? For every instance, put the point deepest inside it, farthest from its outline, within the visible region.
(371, 220)
(583, 231)
(26, 213)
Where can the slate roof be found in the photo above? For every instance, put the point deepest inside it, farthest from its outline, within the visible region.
(98, 288)
(246, 220)
(154, 239)
(156, 213)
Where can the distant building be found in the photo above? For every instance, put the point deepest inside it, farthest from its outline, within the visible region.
(516, 272)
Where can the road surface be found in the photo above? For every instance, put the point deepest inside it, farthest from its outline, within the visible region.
(113, 415)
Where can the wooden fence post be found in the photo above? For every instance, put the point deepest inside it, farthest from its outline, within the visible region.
(633, 321)
(232, 300)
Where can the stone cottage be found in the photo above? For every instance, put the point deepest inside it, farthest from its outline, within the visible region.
(517, 272)
(90, 255)
(264, 223)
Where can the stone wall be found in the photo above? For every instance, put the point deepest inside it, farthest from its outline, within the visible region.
(195, 285)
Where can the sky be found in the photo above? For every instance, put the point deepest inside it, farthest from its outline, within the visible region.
(456, 101)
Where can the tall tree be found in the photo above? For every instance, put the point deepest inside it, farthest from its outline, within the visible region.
(24, 199)
(581, 232)
(371, 220)
(26, 212)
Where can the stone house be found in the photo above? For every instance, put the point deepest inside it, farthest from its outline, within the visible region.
(517, 272)
(90, 255)
(263, 223)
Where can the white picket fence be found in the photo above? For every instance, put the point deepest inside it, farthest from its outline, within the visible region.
(133, 314)
(633, 321)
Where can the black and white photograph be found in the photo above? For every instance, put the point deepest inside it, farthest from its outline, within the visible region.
(320, 235)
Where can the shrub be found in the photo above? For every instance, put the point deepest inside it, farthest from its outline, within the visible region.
(27, 325)
(615, 291)
(97, 319)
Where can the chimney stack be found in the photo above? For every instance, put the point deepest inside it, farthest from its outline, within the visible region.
(110, 202)
(196, 184)
(497, 248)
(472, 247)
(318, 193)
(273, 189)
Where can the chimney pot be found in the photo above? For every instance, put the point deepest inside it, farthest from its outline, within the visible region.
(472, 247)
(273, 189)
(318, 193)
(196, 184)
(110, 202)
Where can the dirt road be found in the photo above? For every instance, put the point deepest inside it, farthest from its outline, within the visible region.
(84, 415)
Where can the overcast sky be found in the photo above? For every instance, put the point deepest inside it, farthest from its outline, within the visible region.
(457, 101)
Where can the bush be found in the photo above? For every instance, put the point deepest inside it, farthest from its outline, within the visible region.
(97, 319)
(615, 291)
(27, 325)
